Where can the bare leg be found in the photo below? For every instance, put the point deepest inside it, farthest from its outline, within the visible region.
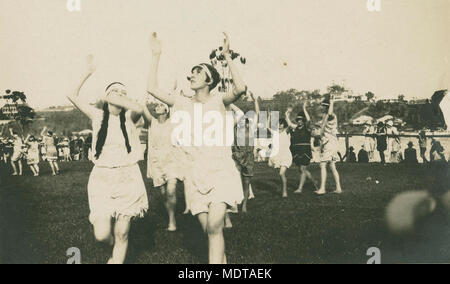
(228, 224)
(283, 181)
(33, 170)
(171, 202)
(20, 167)
(187, 210)
(214, 229)
(56, 167)
(246, 186)
(302, 179)
(102, 230)
(52, 167)
(14, 168)
(121, 230)
(336, 177)
(37, 168)
(323, 178)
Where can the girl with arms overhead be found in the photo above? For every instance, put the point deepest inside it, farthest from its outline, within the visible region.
(116, 189)
(214, 183)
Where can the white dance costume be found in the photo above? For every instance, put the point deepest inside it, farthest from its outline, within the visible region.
(330, 143)
(163, 157)
(210, 173)
(116, 186)
(284, 156)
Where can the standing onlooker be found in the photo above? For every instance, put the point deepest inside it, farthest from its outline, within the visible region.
(87, 147)
(381, 140)
(423, 145)
(437, 151)
(363, 155)
(369, 139)
(410, 154)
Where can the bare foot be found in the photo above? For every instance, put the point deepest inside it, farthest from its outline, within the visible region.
(171, 228)
(320, 192)
(298, 191)
(285, 195)
(186, 211)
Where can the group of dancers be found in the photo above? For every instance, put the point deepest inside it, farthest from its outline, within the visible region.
(216, 178)
(29, 149)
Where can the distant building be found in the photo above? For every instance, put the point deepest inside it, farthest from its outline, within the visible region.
(362, 120)
(9, 109)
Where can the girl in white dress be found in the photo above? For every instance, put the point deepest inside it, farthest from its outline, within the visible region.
(214, 183)
(282, 160)
(51, 153)
(116, 188)
(33, 154)
(163, 162)
(329, 146)
(17, 153)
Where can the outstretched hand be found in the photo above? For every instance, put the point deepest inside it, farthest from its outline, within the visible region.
(90, 63)
(226, 44)
(155, 44)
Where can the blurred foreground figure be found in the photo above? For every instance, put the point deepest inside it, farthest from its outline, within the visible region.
(420, 220)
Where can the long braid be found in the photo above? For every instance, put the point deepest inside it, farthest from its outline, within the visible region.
(103, 132)
(124, 130)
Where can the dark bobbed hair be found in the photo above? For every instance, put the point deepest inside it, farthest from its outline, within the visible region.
(215, 75)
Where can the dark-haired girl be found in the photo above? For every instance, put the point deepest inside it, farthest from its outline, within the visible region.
(51, 153)
(214, 183)
(301, 144)
(116, 189)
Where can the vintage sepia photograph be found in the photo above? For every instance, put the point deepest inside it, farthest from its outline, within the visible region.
(238, 132)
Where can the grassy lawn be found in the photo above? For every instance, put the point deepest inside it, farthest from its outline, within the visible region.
(41, 217)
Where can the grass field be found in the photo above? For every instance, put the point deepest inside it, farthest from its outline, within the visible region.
(41, 217)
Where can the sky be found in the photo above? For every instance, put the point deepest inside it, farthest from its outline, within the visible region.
(302, 44)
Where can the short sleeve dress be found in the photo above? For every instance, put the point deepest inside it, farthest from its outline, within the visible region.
(116, 186)
(210, 173)
(163, 156)
(330, 143)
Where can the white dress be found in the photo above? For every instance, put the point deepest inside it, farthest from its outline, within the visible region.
(163, 156)
(330, 143)
(284, 156)
(210, 173)
(116, 186)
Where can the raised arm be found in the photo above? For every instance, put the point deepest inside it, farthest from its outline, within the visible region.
(239, 85)
(257, 109)
(43, 131)
(239, 113)
(327, 116)
(153, 88)
(288, 118)
(308, 118)
(74, 98)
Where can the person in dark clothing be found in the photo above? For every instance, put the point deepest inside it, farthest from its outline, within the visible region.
(351, 156)
(410, 154)
(381, 140)
(301, 144)
(87, 145)
(363, 155)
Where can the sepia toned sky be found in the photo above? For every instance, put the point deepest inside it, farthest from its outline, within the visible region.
(303, 44)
